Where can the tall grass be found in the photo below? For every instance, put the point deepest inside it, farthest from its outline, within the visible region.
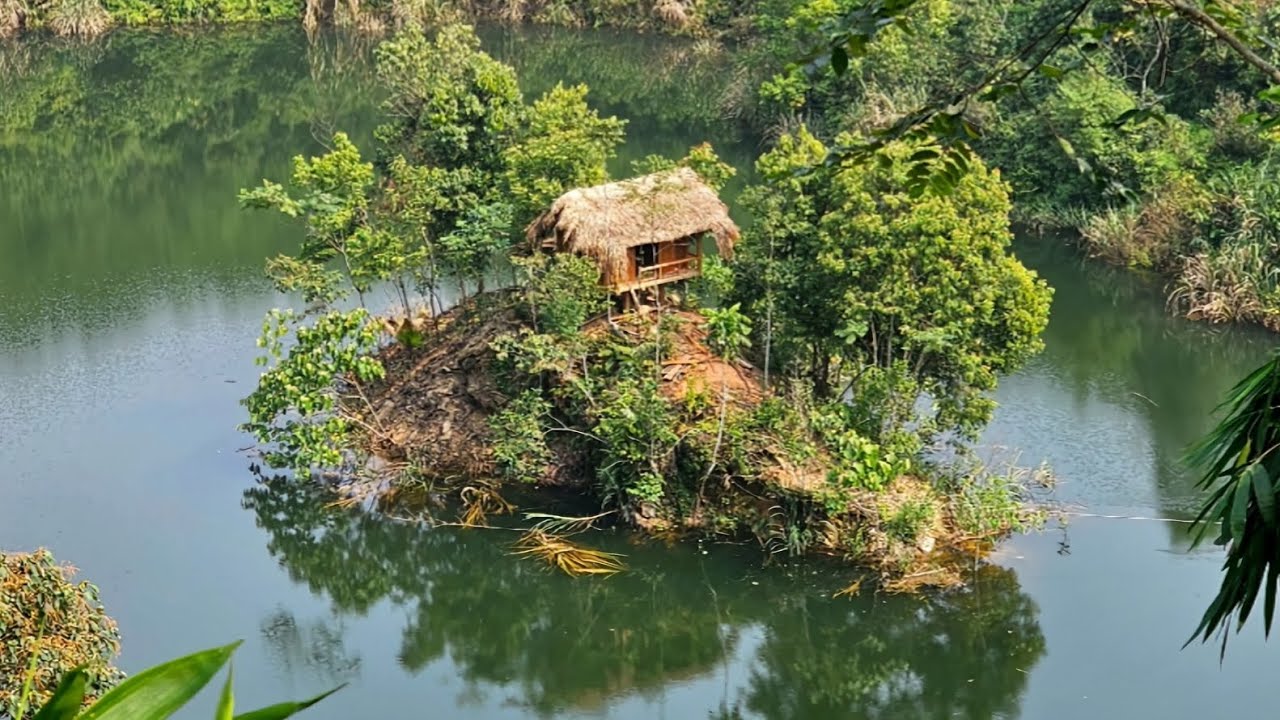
(13, 15)
(78, 18)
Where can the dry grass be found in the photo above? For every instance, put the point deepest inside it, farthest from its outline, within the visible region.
(78, 18)
(13, 16)
(568, 557)
(1223, 287)
(671, 13)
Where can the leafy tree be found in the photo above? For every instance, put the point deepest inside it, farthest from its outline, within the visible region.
(449, 104)
(565, 145)
(300, 407)
(875, 286)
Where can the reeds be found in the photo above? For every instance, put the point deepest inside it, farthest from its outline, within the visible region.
(78, 18)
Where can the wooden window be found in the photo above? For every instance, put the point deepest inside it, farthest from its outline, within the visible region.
(646, 255)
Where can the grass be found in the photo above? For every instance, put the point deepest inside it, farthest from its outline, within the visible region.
(78, 18)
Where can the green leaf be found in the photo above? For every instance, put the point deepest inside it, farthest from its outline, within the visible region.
(159, 692)
(286, 709)
(839, 60)
(1050, 71)
(1263, 493)
(1240, 508)
(227, 701)
(67, 698)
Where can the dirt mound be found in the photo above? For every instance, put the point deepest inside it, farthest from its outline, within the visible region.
(433, 408)
(689, 365)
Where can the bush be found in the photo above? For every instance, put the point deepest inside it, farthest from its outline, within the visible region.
(62, 624)
(561, 292)
(519, 441)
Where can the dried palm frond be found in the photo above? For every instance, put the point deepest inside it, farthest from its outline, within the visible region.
(564, 525)
(479, 502)
(568, 557)
(851, 590)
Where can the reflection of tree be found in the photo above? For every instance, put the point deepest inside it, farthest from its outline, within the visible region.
(316, 647)
(958, 654)
(576, 644)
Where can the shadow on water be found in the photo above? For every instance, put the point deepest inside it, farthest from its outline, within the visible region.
(558, 644)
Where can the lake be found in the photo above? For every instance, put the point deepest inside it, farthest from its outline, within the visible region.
(131, 294)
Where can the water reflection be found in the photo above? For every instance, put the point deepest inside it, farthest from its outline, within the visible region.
(558, 644)
(1122, 388)
(316, 648)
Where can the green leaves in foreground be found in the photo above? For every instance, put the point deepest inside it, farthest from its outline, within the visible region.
(1240, 464)
(158, 693)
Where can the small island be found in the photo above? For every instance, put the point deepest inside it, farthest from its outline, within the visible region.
(793, 383)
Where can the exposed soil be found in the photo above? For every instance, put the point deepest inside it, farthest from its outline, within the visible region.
(433, 408)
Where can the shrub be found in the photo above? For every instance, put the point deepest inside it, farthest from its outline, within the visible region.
(519, 441)
(62, 624)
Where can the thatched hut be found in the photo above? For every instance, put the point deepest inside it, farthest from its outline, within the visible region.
(643, 232)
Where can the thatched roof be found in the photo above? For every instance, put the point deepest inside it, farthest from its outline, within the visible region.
(604, 221)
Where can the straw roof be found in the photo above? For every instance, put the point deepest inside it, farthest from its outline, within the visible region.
(605, 221)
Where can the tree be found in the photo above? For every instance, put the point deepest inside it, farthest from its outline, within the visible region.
(886, 298)
(1060, 37)
(566, 145)
(49, 626)
(449, 104)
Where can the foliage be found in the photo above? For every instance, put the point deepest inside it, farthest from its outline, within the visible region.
(160, 692)
(561, 292)
(909, 520)
(728, 331)
(857, 461)
(333, 206)
(449, 104)
(565, 144)
(869, 277)
(48, 627)
(1239, 469)
(298, 407)
(519, 438)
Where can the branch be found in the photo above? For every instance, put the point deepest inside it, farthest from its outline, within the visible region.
(1196, 16)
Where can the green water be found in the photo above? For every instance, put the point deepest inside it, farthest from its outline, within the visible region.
(129, 301)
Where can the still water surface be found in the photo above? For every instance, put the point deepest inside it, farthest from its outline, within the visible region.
(130, 297)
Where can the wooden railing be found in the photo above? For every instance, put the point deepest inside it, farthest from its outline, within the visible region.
(673, 270)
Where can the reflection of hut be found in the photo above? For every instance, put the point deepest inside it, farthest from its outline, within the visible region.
(643, 233)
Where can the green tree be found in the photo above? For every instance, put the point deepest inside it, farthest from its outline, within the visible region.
(874, 285)
(449, 104)
(49, 626)
(566, 145)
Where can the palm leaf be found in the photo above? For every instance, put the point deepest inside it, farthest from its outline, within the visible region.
(1238, 462)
